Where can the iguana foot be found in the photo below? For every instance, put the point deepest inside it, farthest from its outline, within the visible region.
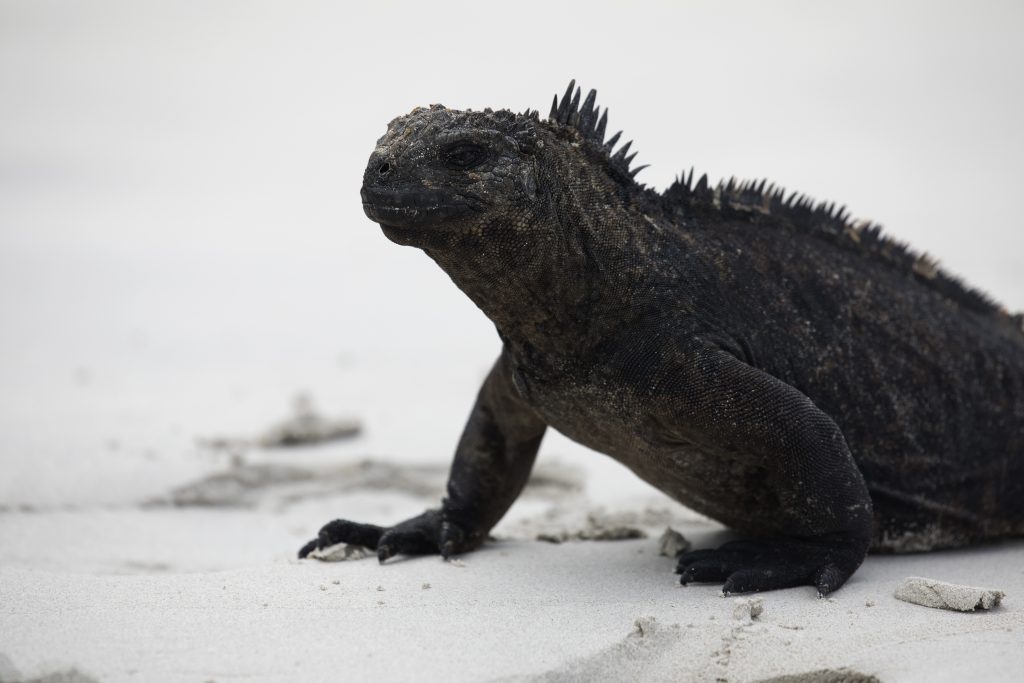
(748, 566)
(425, 534)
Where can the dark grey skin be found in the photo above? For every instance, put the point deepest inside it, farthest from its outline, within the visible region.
(800, 378)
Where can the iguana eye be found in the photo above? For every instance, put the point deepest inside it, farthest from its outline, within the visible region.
(462, 156)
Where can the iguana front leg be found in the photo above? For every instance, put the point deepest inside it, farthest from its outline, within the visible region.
(819, 518)
(491, 466)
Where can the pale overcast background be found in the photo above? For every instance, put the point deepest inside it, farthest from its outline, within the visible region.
(182, 245)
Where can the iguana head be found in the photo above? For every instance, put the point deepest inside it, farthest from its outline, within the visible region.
(525, 215)
(439, 173)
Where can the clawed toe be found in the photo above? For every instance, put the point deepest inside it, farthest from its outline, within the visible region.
(749, 566)
(407, 540)
(828, 579)
(704, 571)
(343, 531)
(765, 578)
(305, 550)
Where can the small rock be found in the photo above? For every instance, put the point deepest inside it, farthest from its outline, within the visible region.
(747, 609)
(598, 526)
(306, 426)
(869, 603)
(672, 543)
(340, 552)
(644, 626)
(942, 595)
(425, 586)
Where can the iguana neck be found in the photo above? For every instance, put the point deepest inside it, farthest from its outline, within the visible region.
(525, 287)
(541, 286)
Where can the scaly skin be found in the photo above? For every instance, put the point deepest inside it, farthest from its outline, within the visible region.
(763, 361)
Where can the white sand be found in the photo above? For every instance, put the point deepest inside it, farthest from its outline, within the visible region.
(516, 609)
(212, 592)
(130, 595)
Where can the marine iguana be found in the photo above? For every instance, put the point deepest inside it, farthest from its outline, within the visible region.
(760, 358)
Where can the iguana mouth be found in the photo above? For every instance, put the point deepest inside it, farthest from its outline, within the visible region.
(415, 206)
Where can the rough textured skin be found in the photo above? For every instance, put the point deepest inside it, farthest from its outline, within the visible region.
(761, 359)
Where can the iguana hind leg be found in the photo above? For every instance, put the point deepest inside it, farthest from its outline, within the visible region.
(816, 522)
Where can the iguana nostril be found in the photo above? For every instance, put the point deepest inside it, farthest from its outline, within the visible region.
(384, 169)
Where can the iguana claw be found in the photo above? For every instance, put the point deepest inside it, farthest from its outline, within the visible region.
(749, 566)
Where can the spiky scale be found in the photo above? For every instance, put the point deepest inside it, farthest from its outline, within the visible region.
(562, 115)
(634, 171)
(621, 154)
(601, 125)
(587, 113)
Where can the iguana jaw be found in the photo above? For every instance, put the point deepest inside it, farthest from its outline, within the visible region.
(415, 207)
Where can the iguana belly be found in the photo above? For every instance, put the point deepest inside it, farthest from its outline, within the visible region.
(610, 419)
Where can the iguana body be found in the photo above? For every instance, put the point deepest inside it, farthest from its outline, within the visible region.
(759, 359)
